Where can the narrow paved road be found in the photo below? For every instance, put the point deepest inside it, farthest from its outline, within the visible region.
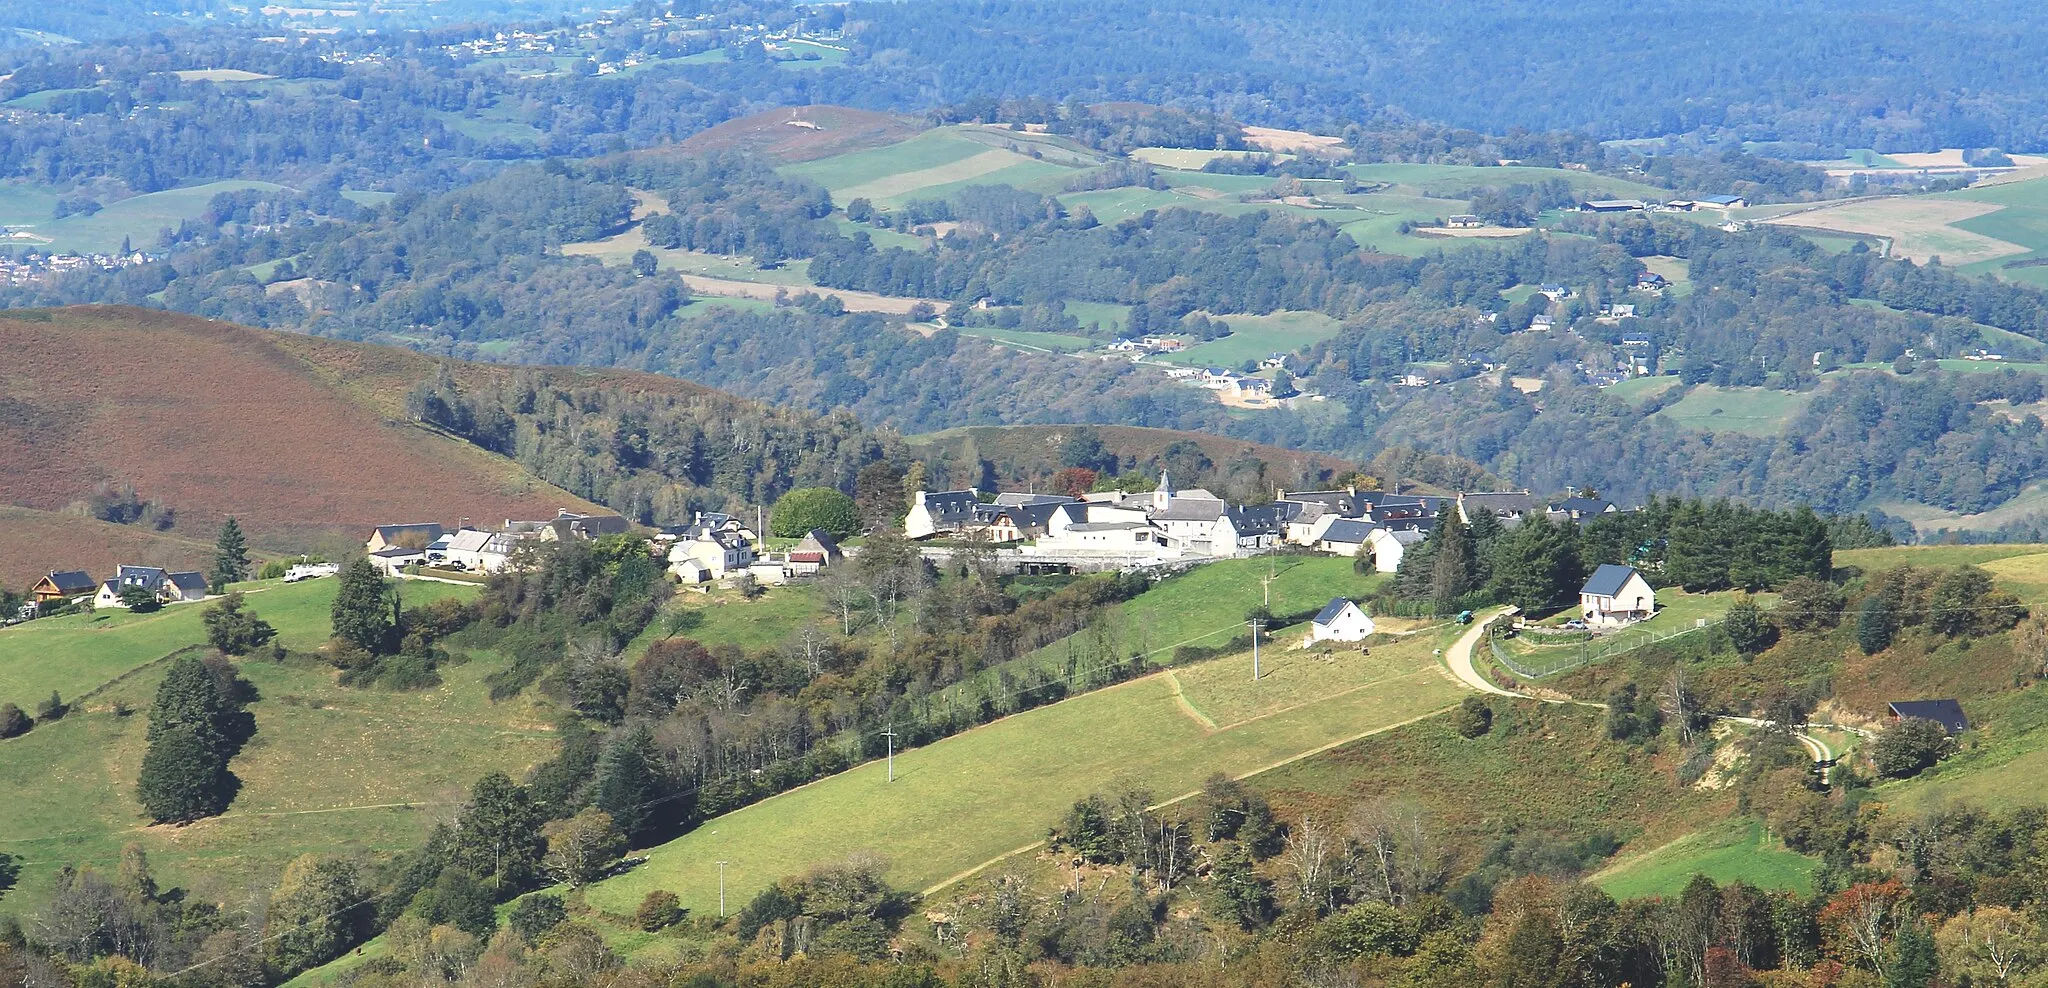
(1460, 656)
(1465, 668)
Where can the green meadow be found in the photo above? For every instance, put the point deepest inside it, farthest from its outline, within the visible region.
(1737, 850)
(1255, 337)
(1749, 411)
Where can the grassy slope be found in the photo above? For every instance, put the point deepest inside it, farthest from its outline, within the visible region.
(1750, 411)
(81, 652)
(137, 218)
(955, 803)
(1253, 337)
(1737, 850)
(330, 769)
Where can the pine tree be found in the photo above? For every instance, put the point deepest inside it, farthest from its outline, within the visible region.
(1873, 625)
(184, 776)
(189, 698)
(230, 556)
(362, 608)
(626, 784)
(1451, 577)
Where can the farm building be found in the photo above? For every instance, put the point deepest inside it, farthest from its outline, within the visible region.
(1464, 221)
(1616, 595)
(390, 560)
(1947, 713)
(1721, 202)
(63, 586)
(1340, 621)
(1612, 206)
(417, 535)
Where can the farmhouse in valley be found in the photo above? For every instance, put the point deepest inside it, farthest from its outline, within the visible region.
(168, 587)
(417, 535)
(1616, 595)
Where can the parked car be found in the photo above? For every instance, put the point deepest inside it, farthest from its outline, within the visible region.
(1575, 625)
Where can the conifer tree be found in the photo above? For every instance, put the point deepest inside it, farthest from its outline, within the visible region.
(230, 556)
(1452, 575)
(626, 784)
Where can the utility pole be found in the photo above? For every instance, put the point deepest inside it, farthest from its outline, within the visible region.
(721, 890)
(1256, 623)
(891, 735)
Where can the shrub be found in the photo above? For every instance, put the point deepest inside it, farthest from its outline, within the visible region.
(535, 915)
(233, 630)
(52, 708)
(658, 911)
(13, 723)
(1473, 718)
(1909, 746)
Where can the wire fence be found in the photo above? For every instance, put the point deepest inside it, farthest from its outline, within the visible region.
(1557, 660)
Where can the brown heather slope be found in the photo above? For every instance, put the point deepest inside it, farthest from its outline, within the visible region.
(303, 440)
(771, 134)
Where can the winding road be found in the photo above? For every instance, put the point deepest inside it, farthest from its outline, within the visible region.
(1463, 666)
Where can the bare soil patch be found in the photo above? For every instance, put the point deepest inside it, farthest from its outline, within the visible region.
(854, 301)
(799, 133)
(1276, 139)
(1918, 226)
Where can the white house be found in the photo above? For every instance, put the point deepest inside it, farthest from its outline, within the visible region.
(1388, 546)
(932, 512)
(390, 560)
(474, 549)
(717, 555)
(1340, 621)
(1616, 595)
(1344, 537)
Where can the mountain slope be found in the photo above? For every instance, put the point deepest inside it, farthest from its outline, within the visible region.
(303, 440)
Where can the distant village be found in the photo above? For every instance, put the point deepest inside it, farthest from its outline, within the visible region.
(34, 268)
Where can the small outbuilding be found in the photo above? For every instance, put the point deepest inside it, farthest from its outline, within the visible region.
(1340, 621)
(1947, 713)
(1616, 595)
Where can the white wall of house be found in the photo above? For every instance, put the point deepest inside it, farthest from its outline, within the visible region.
(1633, 603)
(1350, 625)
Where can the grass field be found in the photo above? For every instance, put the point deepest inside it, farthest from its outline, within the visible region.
(1042, 342)
(1749, 411)
(1253, 337)
(928, 166)
(1872, 560)
(329, 770)
(138, 218)
(77, 653)
(486, 127)
(1451, 180)
(1636, 389)
(41, 99)
(1737, 850)
(1919, 226)
(221, 75)
(955, 803)
(1105, 314)
(1190, 159)
(2030, 502)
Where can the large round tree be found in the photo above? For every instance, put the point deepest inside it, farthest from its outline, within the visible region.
(806, 508)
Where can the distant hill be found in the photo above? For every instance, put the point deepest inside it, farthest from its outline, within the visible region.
(800, 133)
(302, 439)
(1019, 454)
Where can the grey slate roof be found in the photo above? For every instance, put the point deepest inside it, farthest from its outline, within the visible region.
(1348, 531)
(1192, 509)
(1035, 515)
(189, 583)
(1947, 713)
(1017, 500)
(1331, 610)
(1608, 580)
(951, 507)
(140, 576)
(72, 581)
(1260, 519)
(1577, 506)
(431, 530)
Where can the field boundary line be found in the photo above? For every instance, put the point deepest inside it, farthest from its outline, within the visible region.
(1184, 797)
(1186, 705)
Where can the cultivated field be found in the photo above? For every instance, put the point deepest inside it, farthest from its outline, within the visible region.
(1919, 227)
(797, 133)
(955, 804)
(927, 166)
(1190, 159)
